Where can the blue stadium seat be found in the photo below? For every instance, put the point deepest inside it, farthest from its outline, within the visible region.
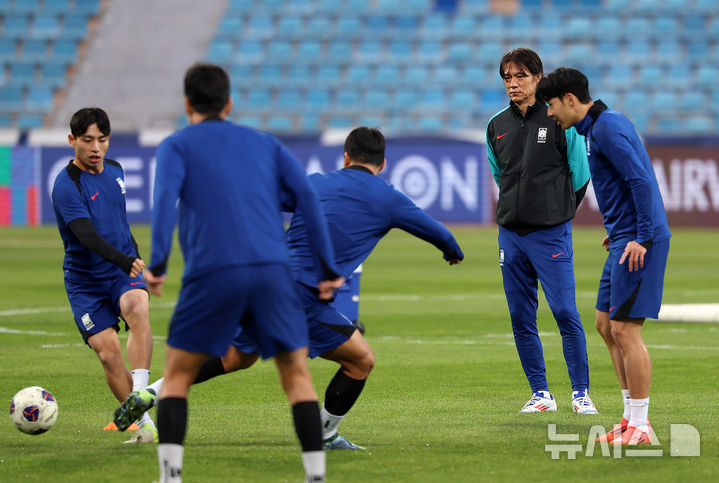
(347, 28)
(549, 25)
(635, 100)
(387, 75)
(15, 26)
(251, 121)
(637, 50)
(670, 125)
(291, 27)
(434, 27)
(462, 99)
(299, 76)
(700, 125)
(460, 52)
(309, 51)
(53, 75)
(491, 27)
(347, 99)
(638, 26)
(698, 50)
(651, 75)
(678, 76)
(400, 50)
(34, 50)
(45, 27)
(579, 52)
(429, 123)
(242, 5)
(464, 26)
(433, 98)
(22, 74)
(475, 6)
(668, 51)
(259, 27)
(220, 52)
(29, 121)
(706, 6)
(288, 99)
(415, 75)
(55, 7)
(578, 27)
(523, 28)
(241, 75)
(489, 53)
(39, 99)
(707, 76)
(318, 27)
(377, 25)
(259, 99)
(609, 26)
(26, 6)
(277, 50)
(608, 50)
(492, 101)
(270, 75)
(619, 75)
(369, 50)
(64, 51)
(5, 121)
(11, 99)
(327, 75)
(358, 74)
(692, 100)
(87, 7)
(339, 122)
(279, 124)
(405, 99)
(474, 75)
(8, 50)
(318, 100)
(694, 27)
(663, 101)
(666, 26)
(445, 75)
(340, 51)
(74, 28)
(406, 24)
(378, 99)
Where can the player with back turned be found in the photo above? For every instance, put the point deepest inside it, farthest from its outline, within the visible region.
(229, 181)
(360, 208)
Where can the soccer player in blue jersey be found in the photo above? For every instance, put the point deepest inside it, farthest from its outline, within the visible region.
(542, 174)
(630, 288)
(360, 208)
(102, 266)
(229, 181)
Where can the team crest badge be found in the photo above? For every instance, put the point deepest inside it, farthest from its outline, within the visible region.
(542, 135)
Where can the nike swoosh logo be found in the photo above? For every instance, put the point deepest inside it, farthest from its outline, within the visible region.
(135, 283)
(500, 136)
(94, 196)
(611, 308)
(556, 255)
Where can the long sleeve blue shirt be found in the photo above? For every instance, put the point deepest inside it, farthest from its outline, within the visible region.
(230, 181)
(623, 177)
(360, 209)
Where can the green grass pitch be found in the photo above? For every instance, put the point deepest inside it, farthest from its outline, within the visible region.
(441, 404)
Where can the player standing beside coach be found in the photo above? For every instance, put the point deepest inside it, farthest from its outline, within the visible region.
(542, 174)
(637, 233)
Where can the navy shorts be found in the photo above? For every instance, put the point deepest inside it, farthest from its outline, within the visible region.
(637, 294)
(328, 329)
(261, 299)
(96, 304)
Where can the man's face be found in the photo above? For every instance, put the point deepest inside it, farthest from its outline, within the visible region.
(561, 111)
(90, 148)
(521, 85)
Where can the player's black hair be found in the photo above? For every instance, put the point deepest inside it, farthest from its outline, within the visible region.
(88, 116)
(561, 81)
(523, 57)
(207, 88)
(365, 145)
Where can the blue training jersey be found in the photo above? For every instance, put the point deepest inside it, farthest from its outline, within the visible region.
(229, 180)
(101, 198)
(361, 208)
(623, 177)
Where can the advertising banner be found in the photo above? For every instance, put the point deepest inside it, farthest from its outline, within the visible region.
(448, 181)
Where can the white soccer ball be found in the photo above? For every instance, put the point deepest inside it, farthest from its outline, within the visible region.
(33, 410)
